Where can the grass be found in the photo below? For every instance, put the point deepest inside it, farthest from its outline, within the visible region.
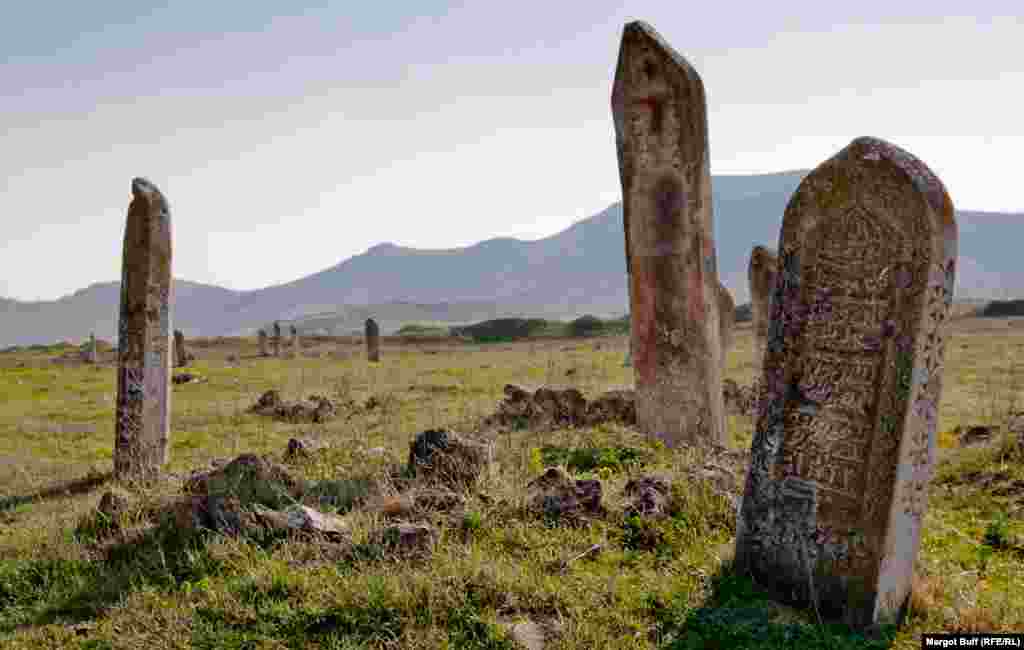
(666, 584)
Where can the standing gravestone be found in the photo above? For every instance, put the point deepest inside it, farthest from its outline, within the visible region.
(761, 276)
(844, 445)
(660, 120)
(180, 353)
(142, 426)
(263, 342)
(726, 321)
(277, 339)
(295, 341)
(91, 353)
(372, 340)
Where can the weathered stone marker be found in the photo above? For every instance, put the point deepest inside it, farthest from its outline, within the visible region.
(726, 321)
(661, 134)
(844, 445)
(295, 341)
(263, 343)
(91, 353)
(277, 339)
(372, 340)
(761, 276)
(180, 353)
(142, 425)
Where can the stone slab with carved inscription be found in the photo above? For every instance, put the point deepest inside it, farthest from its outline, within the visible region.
(844, 444)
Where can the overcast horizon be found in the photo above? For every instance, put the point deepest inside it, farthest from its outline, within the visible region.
(288, 143)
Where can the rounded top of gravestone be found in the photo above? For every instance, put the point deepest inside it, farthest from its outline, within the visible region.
(868, 148)
(762, 256)
(725, 299)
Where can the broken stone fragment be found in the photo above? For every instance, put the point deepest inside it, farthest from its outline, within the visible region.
(648, 497)
(251, 478)
(407, 539)
(306, 519)
(443, 457)
(304, 447)
(555, 495)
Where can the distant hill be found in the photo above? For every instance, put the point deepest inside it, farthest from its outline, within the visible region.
(581, 270)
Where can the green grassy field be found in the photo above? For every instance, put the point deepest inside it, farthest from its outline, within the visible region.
(492, 568)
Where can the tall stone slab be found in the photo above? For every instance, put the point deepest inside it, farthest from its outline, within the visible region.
(263, 343)
(761, 278)
(726, 321)
(372, 340)
(180, 353)
(142, 425)
(295, 341)
(277, 339)
(844, 445)
(661, 133)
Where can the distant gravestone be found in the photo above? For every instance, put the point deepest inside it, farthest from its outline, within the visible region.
(91, 353)
(277, 339)
(761, 277)
(726, 321)
(263, 343)
(844, 446)
(181, 356)
(659, 111)
(142, 425)
(295, 341)
(372, 340)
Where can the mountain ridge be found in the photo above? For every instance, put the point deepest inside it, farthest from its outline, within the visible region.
(580, 269)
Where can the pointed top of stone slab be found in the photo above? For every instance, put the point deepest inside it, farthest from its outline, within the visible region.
(648, 71)
(639, 33)
(145, 189)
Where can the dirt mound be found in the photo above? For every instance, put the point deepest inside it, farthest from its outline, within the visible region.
(562, 407)
(316, 409)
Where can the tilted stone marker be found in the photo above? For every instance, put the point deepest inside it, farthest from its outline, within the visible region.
(372, 340)
(263, 343)
(844, 446)
(761, 277)
(659, 111)
(180, 353)
(142, 425)
(277, 339)
(726, 321)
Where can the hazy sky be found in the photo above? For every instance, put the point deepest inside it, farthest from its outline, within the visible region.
(287, 143)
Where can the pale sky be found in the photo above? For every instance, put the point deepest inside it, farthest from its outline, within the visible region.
(286, 143)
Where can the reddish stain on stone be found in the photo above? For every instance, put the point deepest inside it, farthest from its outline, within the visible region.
(644, 357)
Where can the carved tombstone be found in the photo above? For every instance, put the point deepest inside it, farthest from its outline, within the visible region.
(181, 356)
(91, 353)
(659, 111)
(263, 343)
(295, 341)
(372, 340)
(142, 425)
(761, 276)
(277, 339)
(726, 321)
(844, 445)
